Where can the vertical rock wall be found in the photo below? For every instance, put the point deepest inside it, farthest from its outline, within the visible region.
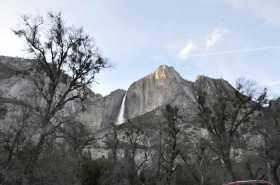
(163, 86)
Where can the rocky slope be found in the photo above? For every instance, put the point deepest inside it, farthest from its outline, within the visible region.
(95, 111)
(163, 86)
(166, 86)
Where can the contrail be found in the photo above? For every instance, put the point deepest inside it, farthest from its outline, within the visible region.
(232, 51)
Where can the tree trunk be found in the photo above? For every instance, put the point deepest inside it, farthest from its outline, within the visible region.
(169, 172)
(132, 178)
(29, 176)
(201, 175)
(168, 178)
(272, 173)
(230, 175)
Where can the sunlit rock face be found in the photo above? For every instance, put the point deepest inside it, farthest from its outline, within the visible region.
(164, 86)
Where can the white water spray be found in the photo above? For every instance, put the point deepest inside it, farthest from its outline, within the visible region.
(121, 118)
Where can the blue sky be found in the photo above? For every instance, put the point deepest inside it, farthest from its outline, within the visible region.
(216, 38)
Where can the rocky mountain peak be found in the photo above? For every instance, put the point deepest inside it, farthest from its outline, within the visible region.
(164, 72)
(163, 86)
(201, 77)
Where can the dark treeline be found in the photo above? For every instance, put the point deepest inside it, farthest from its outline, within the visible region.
(231, 135)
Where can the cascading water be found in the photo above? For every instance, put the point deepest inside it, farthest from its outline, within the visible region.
(121, 118)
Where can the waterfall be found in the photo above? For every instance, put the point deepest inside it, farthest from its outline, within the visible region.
(121, 118)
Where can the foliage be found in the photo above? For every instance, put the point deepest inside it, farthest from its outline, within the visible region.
(91, 172)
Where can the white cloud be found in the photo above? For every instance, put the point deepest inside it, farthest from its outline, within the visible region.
(213, 38)
(208, 41)
(187, 50)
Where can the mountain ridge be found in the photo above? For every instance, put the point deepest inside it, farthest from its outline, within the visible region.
(163, 86)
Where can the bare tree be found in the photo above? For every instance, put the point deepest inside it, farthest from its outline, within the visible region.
(112, 142)
(199, 159)
(57, 49)
(166, 144)
(268, 126)
(13, 139)
(129, 152)
(135, 147)
(224, 117)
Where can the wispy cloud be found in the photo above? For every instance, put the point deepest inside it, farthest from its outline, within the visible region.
(213, 38)
(187, 50)
(234, 51)
(208, 42)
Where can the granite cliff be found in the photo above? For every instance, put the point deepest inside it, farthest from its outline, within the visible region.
(93, 112)
(166, 86)
(163, 86)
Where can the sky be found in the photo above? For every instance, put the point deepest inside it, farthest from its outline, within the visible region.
(227, 39)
